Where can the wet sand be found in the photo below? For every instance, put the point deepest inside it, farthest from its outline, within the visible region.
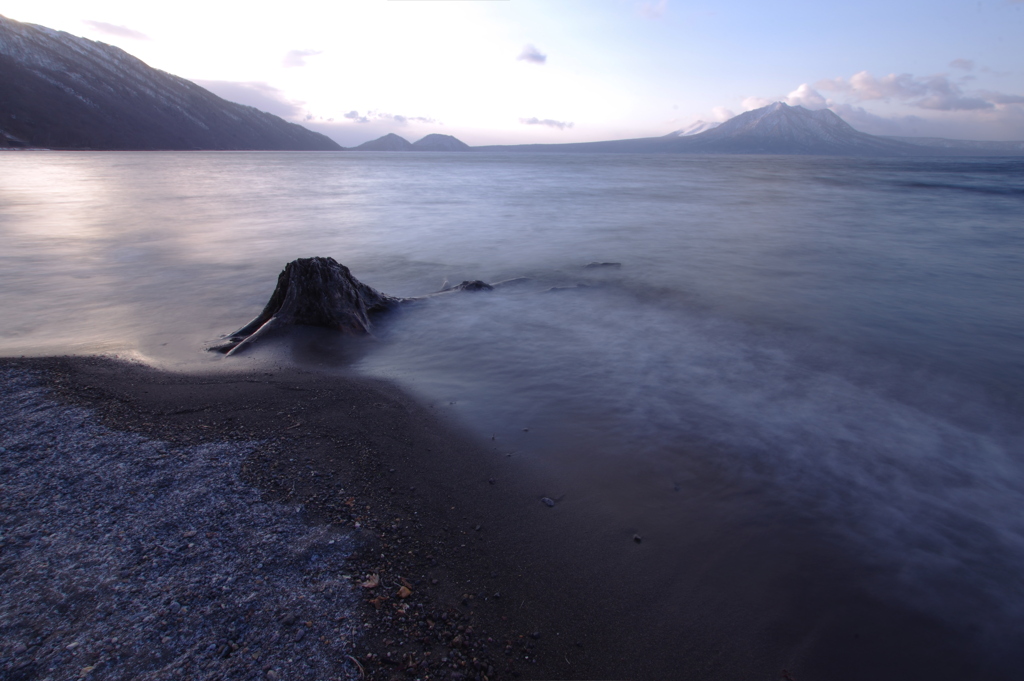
(697, 581)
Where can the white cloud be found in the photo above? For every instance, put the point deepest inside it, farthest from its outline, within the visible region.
(113, 29)
(807, 97)
(381, 117)
(532, 55)
(924, 92)
(296, 58)
(964, 64)
(755, 102)
(721, 114)
(561, 125)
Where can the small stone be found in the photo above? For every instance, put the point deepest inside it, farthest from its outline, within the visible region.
(20, 648)
(299, 635)
(535, 635)
(637, 538)
(548, 501)
(288, 620)
(491, 481)
(272, 675)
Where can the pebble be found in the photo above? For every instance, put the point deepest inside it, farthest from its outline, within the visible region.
(637, 538)
(548, 501)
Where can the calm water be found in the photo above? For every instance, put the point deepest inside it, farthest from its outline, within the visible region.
(847, 335)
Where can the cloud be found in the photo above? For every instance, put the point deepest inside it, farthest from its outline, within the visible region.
(561, 125)
(925, 92)
(807, 97)
(654, 10)
(933, 106)
(381, 117)
(965, 64)
(260, 95)
(755, 102)
(532, 55)
(1000, 98)
(112, 29)
(722, 114)
(296, 58)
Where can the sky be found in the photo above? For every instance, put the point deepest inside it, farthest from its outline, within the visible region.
(525, 71)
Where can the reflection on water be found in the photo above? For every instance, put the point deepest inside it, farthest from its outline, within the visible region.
(848, 333)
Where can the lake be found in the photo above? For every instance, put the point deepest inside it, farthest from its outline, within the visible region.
(841, 341)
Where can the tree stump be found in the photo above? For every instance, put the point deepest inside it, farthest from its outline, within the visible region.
(322, 292)
(313, 292)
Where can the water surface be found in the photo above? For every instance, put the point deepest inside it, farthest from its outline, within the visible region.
(841, 339)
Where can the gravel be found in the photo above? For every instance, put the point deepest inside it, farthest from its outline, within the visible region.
(125, 557)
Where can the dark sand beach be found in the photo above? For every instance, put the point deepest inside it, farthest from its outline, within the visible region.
(478, 576)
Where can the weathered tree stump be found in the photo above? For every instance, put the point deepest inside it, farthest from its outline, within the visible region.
(322, 292)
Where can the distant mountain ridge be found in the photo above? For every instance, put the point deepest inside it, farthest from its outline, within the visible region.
(433, 142)
(781, 129)
(65, 92)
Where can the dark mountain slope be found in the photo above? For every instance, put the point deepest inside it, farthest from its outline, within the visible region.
(389, 142)
(61, 91)
(437, 142)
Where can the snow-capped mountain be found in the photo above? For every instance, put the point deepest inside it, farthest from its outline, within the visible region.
(694, 129)
(782, 129)
(61, 91)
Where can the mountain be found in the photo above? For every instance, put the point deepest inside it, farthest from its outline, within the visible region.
(781, 129)
(64, 92)
(693, 129)
(437, 142)
(389, 142)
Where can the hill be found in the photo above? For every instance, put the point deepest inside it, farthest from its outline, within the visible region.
(389, 142)
(434, 142)
(64, 92)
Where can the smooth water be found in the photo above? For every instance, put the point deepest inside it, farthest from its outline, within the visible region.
(846, 334)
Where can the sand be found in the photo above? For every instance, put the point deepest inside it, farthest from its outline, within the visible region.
(476, 576)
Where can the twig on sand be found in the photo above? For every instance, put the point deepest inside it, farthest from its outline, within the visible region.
(362, 672)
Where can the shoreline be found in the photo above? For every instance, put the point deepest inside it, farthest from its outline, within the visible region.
(504, 586)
